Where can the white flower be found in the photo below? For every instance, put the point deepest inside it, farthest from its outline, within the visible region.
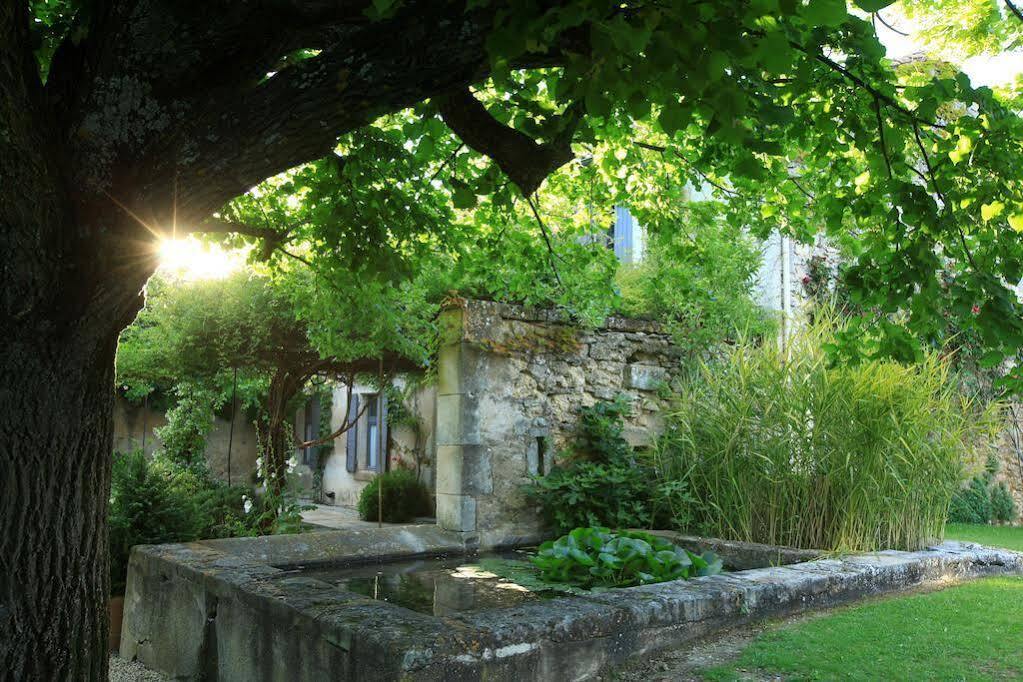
(246, 504)
(259, 463)
(292, 463)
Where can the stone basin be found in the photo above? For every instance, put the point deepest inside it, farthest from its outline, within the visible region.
(285, 607)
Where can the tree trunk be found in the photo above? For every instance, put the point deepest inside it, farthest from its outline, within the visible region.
(56, 407)
(275, 430)
(276, 444)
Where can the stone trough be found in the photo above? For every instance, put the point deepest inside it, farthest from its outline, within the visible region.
(239, 610)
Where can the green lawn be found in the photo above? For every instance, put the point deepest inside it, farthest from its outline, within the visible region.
(968, 632)
(1010, 537)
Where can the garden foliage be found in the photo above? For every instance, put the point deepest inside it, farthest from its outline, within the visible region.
(596, 557)
(189, 422)
(982, 500)
(600, 481)
(404, 497)
(157, 501)
(779, 446)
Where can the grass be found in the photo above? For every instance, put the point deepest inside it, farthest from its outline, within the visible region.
(1009, 537)
(778, 445)
(967, 632)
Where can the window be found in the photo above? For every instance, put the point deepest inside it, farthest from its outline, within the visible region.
(627, 236)
(367, 440)
(372, 432)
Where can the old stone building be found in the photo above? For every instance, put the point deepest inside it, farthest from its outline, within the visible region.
(509, 383)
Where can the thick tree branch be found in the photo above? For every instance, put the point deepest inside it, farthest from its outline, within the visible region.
(221, 226)
(298, 114)
(525, 161)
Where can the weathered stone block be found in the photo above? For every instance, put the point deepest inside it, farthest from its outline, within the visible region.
(449, 369)
(456, 512)
(464, 470)
(457, 420)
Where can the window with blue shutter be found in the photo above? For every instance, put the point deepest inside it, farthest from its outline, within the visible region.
(367, 439)
(352, 448)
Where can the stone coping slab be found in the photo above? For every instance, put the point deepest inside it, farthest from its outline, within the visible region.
(351, 546)
(740, 556)
(196, 611)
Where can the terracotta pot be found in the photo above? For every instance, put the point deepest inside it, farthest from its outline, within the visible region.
(116, 615)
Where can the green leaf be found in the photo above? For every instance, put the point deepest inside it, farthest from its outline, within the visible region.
(825, 12)
(774, 52)
(991, 211)
(873, 5)
(463, 198)
(674, 117)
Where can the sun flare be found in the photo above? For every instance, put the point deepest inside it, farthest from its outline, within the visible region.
(190, 259)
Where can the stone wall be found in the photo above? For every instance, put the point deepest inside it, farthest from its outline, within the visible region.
(132, 421)
(510, 383)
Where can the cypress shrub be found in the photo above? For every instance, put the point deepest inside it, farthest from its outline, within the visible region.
(971, 504)
(1003, 507)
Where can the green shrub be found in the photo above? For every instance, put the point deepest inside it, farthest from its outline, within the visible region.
(599, 435)
(157, 501)
(599, 482)
(971, 504)
(982, 500)
(780, 446)
(145, 509)
(594, 494)
(1003, 507)
(596, 557)
(404, 497)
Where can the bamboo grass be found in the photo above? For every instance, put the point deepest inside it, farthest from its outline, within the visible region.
(785, 448)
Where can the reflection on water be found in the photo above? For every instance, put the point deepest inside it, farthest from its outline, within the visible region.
(438, 586)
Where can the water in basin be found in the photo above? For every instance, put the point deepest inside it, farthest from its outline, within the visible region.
(437, 586)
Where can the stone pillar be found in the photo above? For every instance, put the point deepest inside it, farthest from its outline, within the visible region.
(463, 471)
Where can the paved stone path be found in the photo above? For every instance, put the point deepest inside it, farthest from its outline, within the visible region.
(342, 518)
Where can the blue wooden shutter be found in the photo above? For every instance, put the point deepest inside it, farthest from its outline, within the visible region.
(351, 460)
(382, 430)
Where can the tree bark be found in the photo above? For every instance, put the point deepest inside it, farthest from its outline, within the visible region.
(275, 430)
(56, 406)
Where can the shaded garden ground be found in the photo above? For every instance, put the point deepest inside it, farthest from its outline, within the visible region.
(965, 632)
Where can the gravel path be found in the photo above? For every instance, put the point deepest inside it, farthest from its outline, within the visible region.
(122, 670)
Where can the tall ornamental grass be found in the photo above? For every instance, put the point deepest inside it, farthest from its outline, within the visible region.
(785, 448)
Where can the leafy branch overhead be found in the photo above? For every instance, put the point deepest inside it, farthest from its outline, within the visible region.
(789, 108)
